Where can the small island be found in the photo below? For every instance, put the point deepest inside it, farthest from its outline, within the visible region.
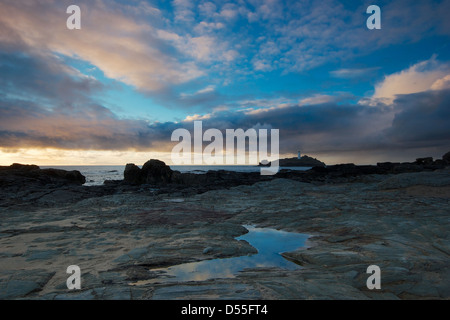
(304, 161)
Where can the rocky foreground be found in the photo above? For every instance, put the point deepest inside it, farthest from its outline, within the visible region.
(121, 234)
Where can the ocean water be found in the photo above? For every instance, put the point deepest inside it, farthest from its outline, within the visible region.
(96, 175)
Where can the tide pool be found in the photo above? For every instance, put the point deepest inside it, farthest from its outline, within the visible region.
(270, 243)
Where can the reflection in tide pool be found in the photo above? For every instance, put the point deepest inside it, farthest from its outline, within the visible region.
(269, 243)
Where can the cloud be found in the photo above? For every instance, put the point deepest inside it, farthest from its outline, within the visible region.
(308, 34)
(24, 124)
(207, 9)
(152, 49)
(441, 84)
(352, 73)
(43, 77)
(422, 76)
(229, 11)
(122, 46)
(416, 124)
(197, 117)
(183, 10)
(253, 107)
(205, 27)
(415, 121)
(317, 99)
(203, 49)
(422, 119)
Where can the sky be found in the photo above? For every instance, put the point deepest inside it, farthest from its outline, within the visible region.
(114, 91)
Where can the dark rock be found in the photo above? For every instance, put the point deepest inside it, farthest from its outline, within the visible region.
(152, 172)
(344, 170)
(24, 167)
(177, 177)
(75, 176)
(72, 176)
(136, 273)
(132, 174)
(446, 158)
(28, 184)
(424, 161)
(156, 172)
(407, 167)
(387, 166)
(112, 182)
(26, 175)
(417, 166)
(440, 163)
(319, 169)
(215, 179)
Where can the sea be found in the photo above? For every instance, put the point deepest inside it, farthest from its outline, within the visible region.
(96, 175)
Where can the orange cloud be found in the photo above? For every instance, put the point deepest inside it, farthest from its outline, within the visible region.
(122, 47)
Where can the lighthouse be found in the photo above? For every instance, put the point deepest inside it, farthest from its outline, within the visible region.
(299, 155)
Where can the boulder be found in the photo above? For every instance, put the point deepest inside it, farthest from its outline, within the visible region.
(446, 158)
(156, 172)
(26, 175)
(132, 174)
(70, 176)
(424, 161)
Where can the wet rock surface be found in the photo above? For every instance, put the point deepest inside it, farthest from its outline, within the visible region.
(121, 236)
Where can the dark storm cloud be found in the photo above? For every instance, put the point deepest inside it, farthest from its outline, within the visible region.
(28, 74)
(419, 120)
(324, 127)
(25, 124)
(415, 120)
(422, 119)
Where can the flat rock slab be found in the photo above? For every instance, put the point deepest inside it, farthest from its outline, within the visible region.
(436, 179)
(216, 291)
(22, 283)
